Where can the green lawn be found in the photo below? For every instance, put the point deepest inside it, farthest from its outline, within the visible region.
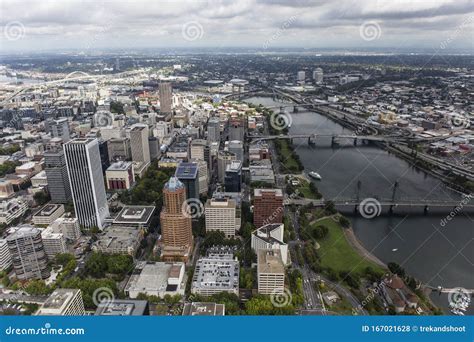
(289, 163)
(304, 189)
(337, 253)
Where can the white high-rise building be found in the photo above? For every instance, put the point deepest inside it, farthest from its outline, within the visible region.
(68, 226)
(318, 75)
(27, 251)
(5, 257)
(270, 272)
(270, 237)
(203, 176)
(63, 302)
(221, 216)
(87, 183)
(139, 144)
(301, 76)
(53, 242)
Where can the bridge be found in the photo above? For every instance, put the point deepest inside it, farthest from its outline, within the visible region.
(334, 137)
(376, 207)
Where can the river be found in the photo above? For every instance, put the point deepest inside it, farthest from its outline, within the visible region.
(434, 254)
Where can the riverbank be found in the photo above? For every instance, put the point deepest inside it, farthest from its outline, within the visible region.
(356, 245)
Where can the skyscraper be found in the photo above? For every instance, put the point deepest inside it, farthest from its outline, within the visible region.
(176, 229)
(59, 129)
(188, 174)
(213, 130)
(237, 128)
(233, 176)
(221, 216)
(27, 252)
(87, 184)
(224, 158)
(318, 75)
(268, 206)
(56, 172)
(237, 148)
(139, 144)
(166, 98)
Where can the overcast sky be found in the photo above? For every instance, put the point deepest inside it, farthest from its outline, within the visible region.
(265, 24)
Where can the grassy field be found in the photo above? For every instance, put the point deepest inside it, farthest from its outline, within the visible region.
(304, 189)
(337, 253)
(289, 163)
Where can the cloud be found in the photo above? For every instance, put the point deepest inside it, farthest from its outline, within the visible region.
(157, 23)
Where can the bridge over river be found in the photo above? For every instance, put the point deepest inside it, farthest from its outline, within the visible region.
(373, 207)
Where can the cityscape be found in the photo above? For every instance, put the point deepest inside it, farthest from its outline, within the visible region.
(218, 163)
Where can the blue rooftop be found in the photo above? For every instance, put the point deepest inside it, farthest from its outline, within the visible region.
(187, 171)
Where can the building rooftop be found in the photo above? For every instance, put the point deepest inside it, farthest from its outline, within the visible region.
(135, 214)
(187, 171)
(21, 232)
(270, 261)
(120, 166)
(216, 273)
(260, 192)
(57, 301)
(122, 307)
(234, 166)
(116, 237)
(203, 309)
(48, 210)
(155, 276)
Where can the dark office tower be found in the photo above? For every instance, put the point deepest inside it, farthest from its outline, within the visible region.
(188, 174)
(56, 172)
(154, 147)
(104, 155)
(233, 177)
(87, 182)
(166, 98)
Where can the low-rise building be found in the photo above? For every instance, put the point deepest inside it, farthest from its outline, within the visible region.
(135, 216)
(39, 180)
(6, 189)
(68, 226)
(203, 309)
(12, 209)
(216, 273)
(48, 214)
(63, 302)
(120, 176)
(123, 307)
(118, 240)
(157, 279)
(53, 242)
